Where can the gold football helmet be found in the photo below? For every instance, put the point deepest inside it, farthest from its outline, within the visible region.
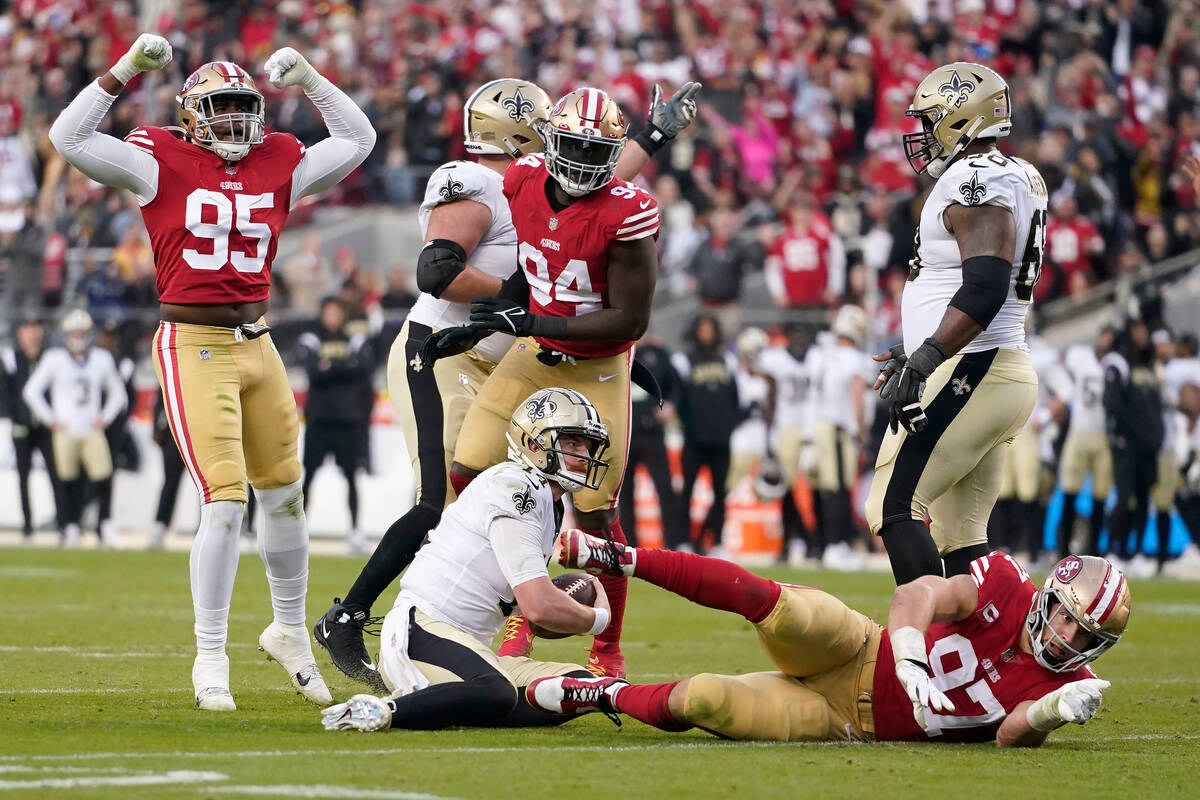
(203, 110)
(750, 344)
(76, 329)
(851, 323)
(543, 418)
(499, 118)
(1095, 594)
(957, 104)
(584, 137)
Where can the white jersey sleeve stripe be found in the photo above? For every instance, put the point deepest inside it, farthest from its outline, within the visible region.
(639, 235)
(636, 217)
(646, 223)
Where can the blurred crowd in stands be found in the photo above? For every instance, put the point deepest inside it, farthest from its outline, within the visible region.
(796, 166)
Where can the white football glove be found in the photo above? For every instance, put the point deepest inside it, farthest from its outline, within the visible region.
(1076, 702)
(912, 670)
(149, 52)
(362, 712)
(286, 67)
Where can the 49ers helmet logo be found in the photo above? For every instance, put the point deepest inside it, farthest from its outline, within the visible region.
(1068, 568)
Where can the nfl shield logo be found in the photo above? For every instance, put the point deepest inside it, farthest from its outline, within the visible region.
(204, 355)
(554, 223)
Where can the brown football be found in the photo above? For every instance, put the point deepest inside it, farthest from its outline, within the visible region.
(577, 584)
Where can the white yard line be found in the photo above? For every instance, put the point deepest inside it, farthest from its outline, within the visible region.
(341, 792)
(154, 779)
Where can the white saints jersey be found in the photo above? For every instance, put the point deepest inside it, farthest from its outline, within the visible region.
(935, 272)
(496, 253)
(1087, 395)
(834, 368)
(792, 382)
(76, 386)
(464, 575)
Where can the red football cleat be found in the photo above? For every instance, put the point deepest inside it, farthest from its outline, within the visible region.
(562, 695)
(579, 550)
(518, 637)
(606, 660)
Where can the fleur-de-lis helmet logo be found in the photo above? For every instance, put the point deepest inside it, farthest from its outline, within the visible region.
(518, 106)
(539, 407)
(973, 191)
(955, 90)
(451, 189)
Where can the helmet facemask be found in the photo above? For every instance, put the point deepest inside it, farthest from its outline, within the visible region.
(229, 134)
(536, 431)
(1046, 605)
(580, 163)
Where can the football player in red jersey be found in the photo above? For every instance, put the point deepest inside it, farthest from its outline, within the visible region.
(470, 250)
(215, 194)
(979, 657)
(585, 244)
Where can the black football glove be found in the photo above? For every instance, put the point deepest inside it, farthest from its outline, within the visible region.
(889, 373)
(905, 410)
(450, 342)
(498, 314)
(672, 116)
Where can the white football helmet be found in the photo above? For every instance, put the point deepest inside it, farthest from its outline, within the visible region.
(228, 134)
(851, 323)
(750, 344)
(957, 104)
(499, 118)
(77, 331)
(584, 137)
(543, 418)
(1095, 594)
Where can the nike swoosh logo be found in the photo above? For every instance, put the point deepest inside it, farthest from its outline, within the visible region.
(302, 679)
(604, 378)
(324, 630)
(645, 204)
(369, 665)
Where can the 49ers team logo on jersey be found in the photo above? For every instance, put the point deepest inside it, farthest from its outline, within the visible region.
(1067, 569)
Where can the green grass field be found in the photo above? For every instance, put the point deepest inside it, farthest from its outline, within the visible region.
(95, 662)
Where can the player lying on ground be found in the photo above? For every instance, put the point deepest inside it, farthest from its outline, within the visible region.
(978, 657)
(488, 554)
(215, 194)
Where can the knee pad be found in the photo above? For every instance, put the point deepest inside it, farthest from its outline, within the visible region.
(708, 702)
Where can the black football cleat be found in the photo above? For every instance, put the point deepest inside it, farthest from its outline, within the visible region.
(340, 632)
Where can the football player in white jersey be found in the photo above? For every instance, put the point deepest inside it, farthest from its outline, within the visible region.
(840, 374)
(1086, 451)
(470, 251)
(967, 385)
(488, 554)
(77, 375)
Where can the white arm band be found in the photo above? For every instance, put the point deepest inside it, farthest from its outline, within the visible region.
(103, 158)
(351, 139)
(908, 644)
(1043, 714)
(602, 619)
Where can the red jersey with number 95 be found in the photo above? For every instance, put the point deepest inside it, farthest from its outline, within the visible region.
(975, 661)
(565, 253)
(214, 226)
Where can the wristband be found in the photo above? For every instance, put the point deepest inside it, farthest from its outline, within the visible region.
(123, 70)
(651, 139)
(1042, 715)
(602, 618)
(908, 644)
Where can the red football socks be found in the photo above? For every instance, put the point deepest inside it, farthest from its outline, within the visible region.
(649, 705)
(615, 587)
(710, 582)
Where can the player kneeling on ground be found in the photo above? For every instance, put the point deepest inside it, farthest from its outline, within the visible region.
(488, 554)
(978, 657)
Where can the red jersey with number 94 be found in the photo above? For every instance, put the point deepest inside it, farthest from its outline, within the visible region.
(214, 226)
(975, 661)
(565, 253)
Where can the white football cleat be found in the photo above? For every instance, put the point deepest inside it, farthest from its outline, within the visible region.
(210, 680)
(362, 712)
(290, 646)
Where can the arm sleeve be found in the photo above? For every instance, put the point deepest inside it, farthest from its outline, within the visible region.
(351, 139)
(34, 392)
(114, 393)
(517, 546)
(101, 157)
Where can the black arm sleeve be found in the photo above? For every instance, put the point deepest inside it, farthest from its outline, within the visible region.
(985, 288)
(440, 262)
